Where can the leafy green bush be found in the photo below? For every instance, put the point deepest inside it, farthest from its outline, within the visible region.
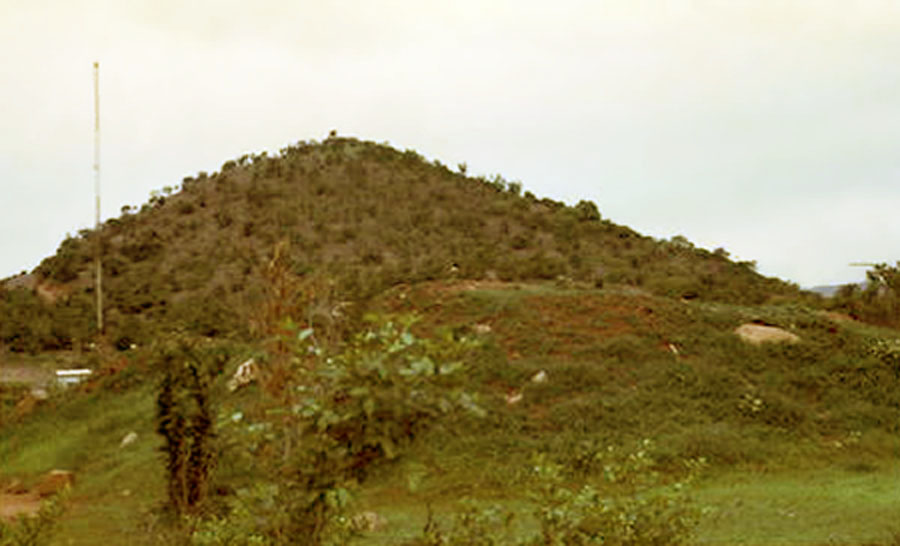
(631, 505)
(335, 415)
(597, 496)
(472, 525)
(37, 530)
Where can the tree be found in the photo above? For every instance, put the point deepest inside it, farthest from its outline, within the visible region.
(587, 211)
(879, 301)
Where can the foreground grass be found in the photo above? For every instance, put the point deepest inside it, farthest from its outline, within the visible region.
(115, 486)
(833, 502)
(822, 506)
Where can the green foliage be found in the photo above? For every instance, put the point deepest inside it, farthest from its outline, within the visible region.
(239, 528)
(587, 211)
(472, 525)
(631, 505)
(185, 420)
(595, 497)
(26, 322)
(37, 530)
(879, 302)
(341, 414)
(31, 325)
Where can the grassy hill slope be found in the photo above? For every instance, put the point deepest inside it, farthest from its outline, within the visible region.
(621, 366)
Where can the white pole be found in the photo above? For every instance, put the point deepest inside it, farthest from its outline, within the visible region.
(97, 257)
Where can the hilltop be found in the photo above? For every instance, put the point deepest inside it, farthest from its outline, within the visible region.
(360, 217)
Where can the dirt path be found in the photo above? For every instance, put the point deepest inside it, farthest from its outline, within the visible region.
(13, 506)
(24, 374)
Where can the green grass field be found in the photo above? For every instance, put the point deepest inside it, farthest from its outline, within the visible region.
(819, 506)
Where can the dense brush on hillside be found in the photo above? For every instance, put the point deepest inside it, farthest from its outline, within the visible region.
(360, 217)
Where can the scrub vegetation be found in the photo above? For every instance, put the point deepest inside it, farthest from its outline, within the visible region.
(362, 216)
(440, 359)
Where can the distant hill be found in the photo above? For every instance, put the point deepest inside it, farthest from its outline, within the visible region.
(826, 290)
(358, 216)
(829, 290)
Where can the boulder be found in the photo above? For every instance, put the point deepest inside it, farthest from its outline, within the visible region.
(53, 482)
(761, 333)
(129, 439)
(367, 522)
(245, 374)
(514, 396)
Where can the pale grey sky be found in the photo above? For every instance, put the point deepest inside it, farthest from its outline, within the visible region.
(768, 127)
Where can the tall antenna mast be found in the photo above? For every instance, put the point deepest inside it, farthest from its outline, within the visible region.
(99, 248)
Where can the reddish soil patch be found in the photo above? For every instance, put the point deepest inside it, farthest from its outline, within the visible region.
(838, 317)
(558, 324)
(13, 506)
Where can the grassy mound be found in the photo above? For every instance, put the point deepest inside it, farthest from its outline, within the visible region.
(620, 365)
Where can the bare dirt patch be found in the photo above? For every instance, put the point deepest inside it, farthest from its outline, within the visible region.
(28, 375)
(838, 317)
(17, 501)
(13, 506)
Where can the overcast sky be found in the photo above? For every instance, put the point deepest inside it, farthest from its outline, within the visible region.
(768, 127)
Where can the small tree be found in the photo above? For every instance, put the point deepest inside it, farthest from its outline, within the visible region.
(587, 211)
(879, 302)
(184, 418)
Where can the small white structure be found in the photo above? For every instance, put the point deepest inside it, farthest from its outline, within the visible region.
(72, 376)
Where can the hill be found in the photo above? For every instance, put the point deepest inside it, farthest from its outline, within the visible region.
(425, 337)
(359, 216)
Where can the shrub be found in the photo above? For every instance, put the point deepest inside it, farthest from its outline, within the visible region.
(37, 530)
(587, 211)
(340, 414)
(185, 419)
(629, 506)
